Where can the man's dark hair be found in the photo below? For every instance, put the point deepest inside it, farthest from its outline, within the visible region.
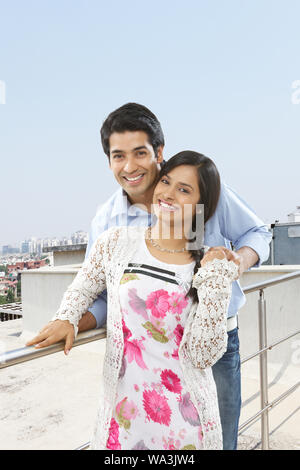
(132, 117)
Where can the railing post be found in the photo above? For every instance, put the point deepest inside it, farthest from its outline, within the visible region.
(263, 365)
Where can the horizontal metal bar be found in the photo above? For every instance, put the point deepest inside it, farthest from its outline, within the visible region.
(271, 282)
(269, 347)
(84, 446)
(270, 405)
(18, 356)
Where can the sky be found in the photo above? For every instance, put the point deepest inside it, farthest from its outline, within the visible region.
(218, 74)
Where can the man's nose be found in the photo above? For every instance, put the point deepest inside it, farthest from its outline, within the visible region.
(130, 166)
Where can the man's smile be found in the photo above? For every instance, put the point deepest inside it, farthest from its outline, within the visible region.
(132, 180)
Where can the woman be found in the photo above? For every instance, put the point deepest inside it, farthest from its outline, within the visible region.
(166, 323)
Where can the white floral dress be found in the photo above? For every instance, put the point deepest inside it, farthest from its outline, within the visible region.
(153, 407)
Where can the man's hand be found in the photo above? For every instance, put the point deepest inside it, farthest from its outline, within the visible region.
(220, 252)
(52, 333)
(245, 257)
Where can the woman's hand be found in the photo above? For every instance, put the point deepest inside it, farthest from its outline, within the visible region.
(52, 333)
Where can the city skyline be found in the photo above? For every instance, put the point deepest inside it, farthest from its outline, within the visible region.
(222, 77)
(75, 238)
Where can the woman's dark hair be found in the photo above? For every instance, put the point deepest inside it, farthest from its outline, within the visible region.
(132, 117)
(209, 187)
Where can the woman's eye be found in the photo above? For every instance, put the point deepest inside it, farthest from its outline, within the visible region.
(184, 190)
(164, 181)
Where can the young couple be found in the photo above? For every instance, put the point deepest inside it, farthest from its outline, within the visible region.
(171, 368)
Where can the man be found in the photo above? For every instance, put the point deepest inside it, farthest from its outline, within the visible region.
(133, 141)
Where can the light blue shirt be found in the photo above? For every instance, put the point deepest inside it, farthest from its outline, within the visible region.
(233, 222)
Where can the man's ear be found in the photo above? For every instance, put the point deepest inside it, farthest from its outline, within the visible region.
(160, 155)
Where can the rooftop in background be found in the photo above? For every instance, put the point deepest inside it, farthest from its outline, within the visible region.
(53, 249)
(294, 216)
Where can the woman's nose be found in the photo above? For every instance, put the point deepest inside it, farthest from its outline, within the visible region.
(169, 193)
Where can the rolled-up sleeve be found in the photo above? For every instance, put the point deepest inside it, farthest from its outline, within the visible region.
(241, 225)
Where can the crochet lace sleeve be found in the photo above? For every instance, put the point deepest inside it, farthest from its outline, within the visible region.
(206, 339)
(89, 282)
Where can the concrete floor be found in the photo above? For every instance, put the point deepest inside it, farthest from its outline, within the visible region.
(50, 402)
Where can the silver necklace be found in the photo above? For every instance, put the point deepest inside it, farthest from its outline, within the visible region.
(156, 245)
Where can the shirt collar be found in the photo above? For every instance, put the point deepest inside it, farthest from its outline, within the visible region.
(122, 206)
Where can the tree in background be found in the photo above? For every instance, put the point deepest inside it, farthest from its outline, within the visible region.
(10, 297)
(3, 268)
(19, 288)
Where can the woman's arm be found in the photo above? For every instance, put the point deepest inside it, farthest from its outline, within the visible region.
(89, 282)
(206, 339)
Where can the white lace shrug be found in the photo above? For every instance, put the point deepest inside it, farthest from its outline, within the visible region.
(205, 333)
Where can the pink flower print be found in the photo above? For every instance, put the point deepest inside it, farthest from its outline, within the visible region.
(158, 323)
(113, 437)
(132, 349)
(126, 331)
(133, 352)
(171, 381)
(170, 443)
(188, 410)
(177, 302)
(120, 405)
(156, 407)
(129, 410)
(178, 334)
(137, 304)
(136, 388)
(175, 354)
(158, 303)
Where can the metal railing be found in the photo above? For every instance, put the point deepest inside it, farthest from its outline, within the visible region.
(263, 357)
(18, 356)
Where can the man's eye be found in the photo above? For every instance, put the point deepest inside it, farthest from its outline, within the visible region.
(116, 157)
(141, 154)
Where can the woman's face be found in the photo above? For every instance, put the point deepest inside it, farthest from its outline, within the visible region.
(176, 196)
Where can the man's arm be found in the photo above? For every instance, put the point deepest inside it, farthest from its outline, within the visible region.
(239, 224)
(248, 258)
(245, 257)
(87, 322)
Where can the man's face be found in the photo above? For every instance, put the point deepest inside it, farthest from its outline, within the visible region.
(134, 164)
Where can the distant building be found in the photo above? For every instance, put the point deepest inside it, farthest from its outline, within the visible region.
(294, 216)
(285, 244)
(20, 266)
(25, 246)
(8, 250)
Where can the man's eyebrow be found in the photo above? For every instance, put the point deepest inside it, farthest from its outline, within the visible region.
(183, 184)
(134, 150)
